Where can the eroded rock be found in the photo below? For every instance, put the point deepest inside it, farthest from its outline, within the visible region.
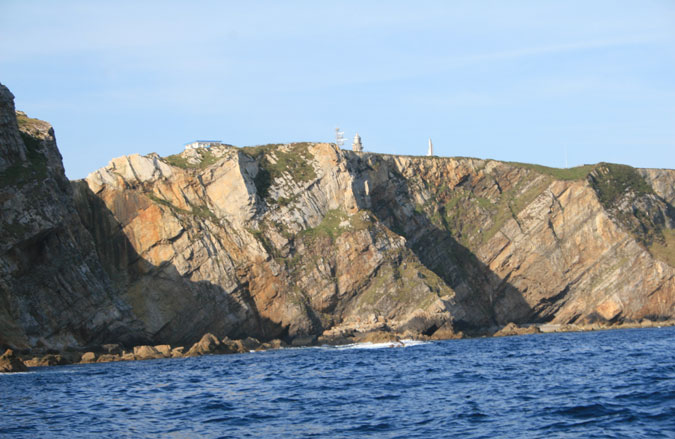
(513, 329)
(147, 353)
(88, 357)
(9, 362)
(107, 358)
(209, 344)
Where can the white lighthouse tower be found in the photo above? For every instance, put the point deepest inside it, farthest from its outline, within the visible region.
(430, 151)
(357, 146)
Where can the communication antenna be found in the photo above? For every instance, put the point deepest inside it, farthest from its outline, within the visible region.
(339, 137)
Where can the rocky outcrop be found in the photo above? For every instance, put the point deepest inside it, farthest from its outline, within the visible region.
(513, 329)
(9, 362)
(88, 357)
(147, 353)
(307, 243)
(54, 292)
(209, 344)
(50, 360)
(662, 181)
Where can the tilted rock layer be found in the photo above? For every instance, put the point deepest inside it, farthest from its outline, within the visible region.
(298, 240)
(53, 289)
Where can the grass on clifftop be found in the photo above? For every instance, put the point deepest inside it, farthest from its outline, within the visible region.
(24, 121)
(207, 158)
(611, 182)
(576, 173)
(275, 161)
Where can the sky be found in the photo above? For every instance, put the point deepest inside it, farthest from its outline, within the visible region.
(558, 83)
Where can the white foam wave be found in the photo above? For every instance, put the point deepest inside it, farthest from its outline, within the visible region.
(389, 344)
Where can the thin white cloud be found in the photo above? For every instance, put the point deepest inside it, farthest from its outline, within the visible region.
(576, 46)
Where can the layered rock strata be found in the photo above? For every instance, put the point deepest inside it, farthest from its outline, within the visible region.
(308, 243)
(53, 290)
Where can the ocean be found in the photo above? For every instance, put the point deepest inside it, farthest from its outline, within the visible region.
(607, 384)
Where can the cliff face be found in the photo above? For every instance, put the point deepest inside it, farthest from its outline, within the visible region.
(194, 247)
(53, 290)
(536, 244)
(297, 240)
(294, 240)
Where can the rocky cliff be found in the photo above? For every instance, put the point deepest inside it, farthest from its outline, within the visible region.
(269, 242)
(303, 240)
(53, 289)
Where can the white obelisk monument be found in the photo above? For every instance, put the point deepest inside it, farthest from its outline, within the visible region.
(430, 151)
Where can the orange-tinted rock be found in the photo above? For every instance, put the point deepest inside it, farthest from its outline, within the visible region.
(446, 332)
(164, 350)
(9, 362)
(88, 357)
(513, 329)
(146, 353)
(52, 360)
(209, 344)
(107, 358)
(177, 352)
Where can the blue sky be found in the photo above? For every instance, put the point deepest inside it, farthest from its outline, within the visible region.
(525, 81)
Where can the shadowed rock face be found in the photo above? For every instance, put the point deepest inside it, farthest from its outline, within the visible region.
(53, 289)
(292, 241)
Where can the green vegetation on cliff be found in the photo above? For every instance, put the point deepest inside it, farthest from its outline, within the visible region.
(665, 249)
(473, 216)
(622, 191)
(33, 169)
(612, 182)
(405, 283)
(206, 158)
(276, 160)
(576, 173)
(200, 211)
(336, 222)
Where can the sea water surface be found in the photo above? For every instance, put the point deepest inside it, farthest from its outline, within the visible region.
(617, 383)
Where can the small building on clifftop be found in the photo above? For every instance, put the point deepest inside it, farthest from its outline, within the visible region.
(202, 144)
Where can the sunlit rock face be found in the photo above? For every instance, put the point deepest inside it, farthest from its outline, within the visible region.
(303, 239)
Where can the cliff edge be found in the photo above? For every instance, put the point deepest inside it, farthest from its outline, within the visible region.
(53, 289)
(304, 240)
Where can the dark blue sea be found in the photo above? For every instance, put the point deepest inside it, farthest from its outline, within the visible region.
(610, 384)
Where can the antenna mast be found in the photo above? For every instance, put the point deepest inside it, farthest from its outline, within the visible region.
(339, 137)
